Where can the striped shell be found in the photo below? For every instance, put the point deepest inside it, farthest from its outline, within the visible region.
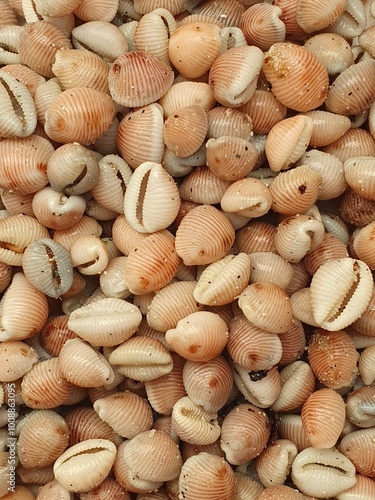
(103, 38)
(17, 358)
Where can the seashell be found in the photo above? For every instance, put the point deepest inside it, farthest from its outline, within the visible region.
(343, 97)
(288, 67)
(179, 167)
(267, 267)
(333, 51)
(54, 334)
(301, 305)
(140, 135)
(35, 453)
(223, 121)
(264, 109)
(335, 225)
(330, 248)
(193, 47)
(151, 186)
(192, 119)
(199, 336)
(333, 358)
(289, 17)
(323, 417)
(193, 424)
(106, 144)
(245, 432)
(89, 254)
(328, 470)
(58, 9)
(89, 10)
(359, 175)
(234, 74)
(102, 38)
(203, 186)
(107, 322)
(365, 323)
(223, 280)
(171, 304)
(81, 365)
(84, 465)
(17, 358)
(208, 384)
(112, 279)
(43, 387)
(16, 203)
(327, 127)
(8, 16)
(267, 306)
(125, 86)
(273, 465)
(365, 39)
(359, 403)
(165, 391)
(280, 492)
(322, 15)
(228, 12)
(352, 22)
(290, 427)
(297, 235)
(185, 94)
(81, 68)
(334, 310)
(127, 413)
(287, 141)
(53, 490)
(47, 265)
(205, 474)
(363, 486)
(146, 6)
(297, 384)
(108, 488)
(79, 106)
(142, 456)
(355, 142)
(85, 226)
(44, 95)
(251, 347)
(38, 44)
(25, 75)
(262, 26)
(356, 447)
(260, 388)
(24, 310)
(356, 210)
(213, 236)
(256, 236)
(247, 487)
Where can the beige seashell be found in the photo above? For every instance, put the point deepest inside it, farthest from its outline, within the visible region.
(112, 279)
(290, 427)
(359, 403)
(224, 121)
(332, 50)
(260, 388)
(17, 358)
(90, 10)
(140, 135)
(107, 322)
(320, 15)
(325, 470)
(363, 486)
(84, 465)
(268, 267)
(185, 94)
(248, 197)
(365, 323)
(355, 142)
(8, 15)
(330, 248)
(264, 109)
(199, 336)
(327, 127)
(53, 490)
(128, 89)
(234, 74)
(352, 283)
(102, 38)
(84, 227)
(274, 464)
(206, 474)
(203, 186)
(359, 175)
(108, 488)
(44, 95)
(227, 11)
(262, 26)
(79, 106)
(288, 67)
(289, 18)
(89, 255)
(192, 119)
(256, 236)
(352, 22)
(58, 9)
(297, 383)
(356, 210)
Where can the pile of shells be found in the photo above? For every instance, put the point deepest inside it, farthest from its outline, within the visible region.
(157, 342)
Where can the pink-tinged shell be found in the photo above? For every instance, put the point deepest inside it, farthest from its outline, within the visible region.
(343, 96)
(8, 16)
(356, 210)
(248, 197)
(365, 324)
(17, 358)
(57, 8)
(287, 141)
(289, 67)
(228, 12)
(185, 94)
(81, 68)
(77, 107)
(140, 135)
(103, 38)
(297, 383)
(107, 322)
(84, 227)
(321, 14)
(247, 487)
(44, 95)
(85, 465)
(340, 291)
(193, 47)
(289, 18)
(203, 186)
(290, 427)
(192, 119)
(359, 174)
(364, 486)
(206, 475)
(146, 6)
(230, 158)
(129, 89)
(234, 74)
(127, 413)
(267, 306)
(204, 236)
(255, 237)
(91, 10)
(52, 490)
(108, 489)
(264, 109)
(223, 121)
(323, 417)
(327, 127)
(30, 78)
(281, 492)
(35, 453)
(245, 432)
(333, 358)
(333, 51)
(357, 447)
(23, 164)
(54, 334)
(39, 43)
(361, 400)
(262, 26)
(24, 310)
(330, 248)
(268, 267)
(273, 465)
(43, 387)
(363, 245)
(355, 142)
(152, 263)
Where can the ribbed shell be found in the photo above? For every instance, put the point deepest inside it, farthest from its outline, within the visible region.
(192, 120)
(204, 236)
(206, 475)
(34, 452)
(355, 142)
(103, 38)
(84, 227)
(327, 127)
(259, 388)
(321, 14)
(264, 109)
(297, 383)
(268, 267)
(224, 121)
(68, 114)
(332, 50)
(17, 358)
(146, 6)
(365, 324)
(340, 290)
(91, 10)
(84, 465)
(262, 26)
(185, 94)
(333, 358)
(255, 237)
(107, 322)
(289, 67)
(360, 402)
(274, 464)
(227, 11)
(109, 489)
(85, 423)
(359, 174)
(330, 248)
(138, 78)
(200, 336)
(356, 210)
(203, 186)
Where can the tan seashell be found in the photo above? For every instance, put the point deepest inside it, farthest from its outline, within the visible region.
(365, 323)
(330, 248)
(256, 236)
(203, 186)
(192, 119)
(359, 175)
(84, 227)
(363, 486)
(227, 11)
(290, 427)
(128, 89)
(248, 197)
(268, 267)
(102, 38)
(274, 464)
(17, 358)
(288, 67)
(140, 135)
(327, 127)
(332, 50)
(30, 78)
(8, 16)
(260, 388)
(206, 474)
(361, 400)
(352, 22)
(90, 10)
(185, 94)
(108, 488)
(333, 358)
(297, 383)
(356, 210)
(58, 9)
(289, 18)
(262, 26)
(320, 15)
(264, 109)
(79, 106)
(224, 121)
(44, 95)
(355, 142)
(234, 74)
